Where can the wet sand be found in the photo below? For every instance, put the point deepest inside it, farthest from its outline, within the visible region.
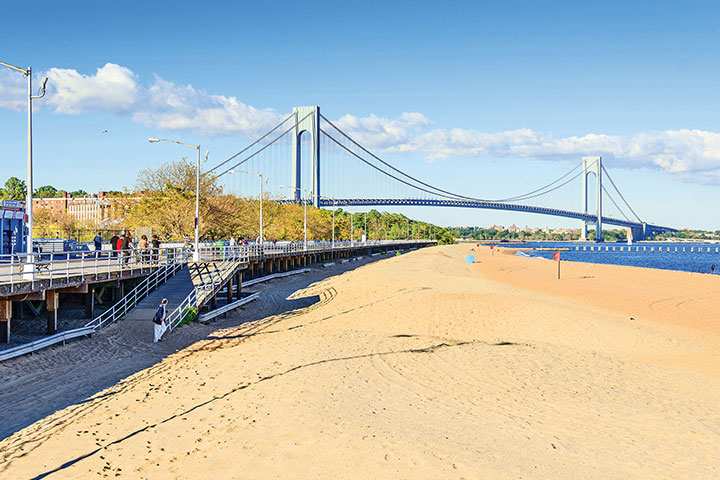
(421, 366)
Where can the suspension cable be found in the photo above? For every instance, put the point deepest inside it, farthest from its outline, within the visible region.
(263, 148)
(251, 145)
(616, 205)
(620, 193)
(516, 198)
(386, 173)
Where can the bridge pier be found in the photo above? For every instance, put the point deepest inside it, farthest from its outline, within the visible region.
(637, 234)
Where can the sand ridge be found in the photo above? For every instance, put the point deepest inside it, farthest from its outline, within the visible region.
(419, 366)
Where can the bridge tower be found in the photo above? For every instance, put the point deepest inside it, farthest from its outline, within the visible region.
(592, 165)
(307, 119)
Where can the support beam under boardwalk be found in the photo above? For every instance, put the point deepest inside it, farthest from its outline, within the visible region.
(52, 304)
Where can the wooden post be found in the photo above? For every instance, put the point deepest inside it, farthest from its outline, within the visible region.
(5, 315)
(238, 287)
(213, 302)
(52, 303)
(230, 290)
(90, 303)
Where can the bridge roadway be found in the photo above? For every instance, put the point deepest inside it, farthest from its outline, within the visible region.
(384, 202)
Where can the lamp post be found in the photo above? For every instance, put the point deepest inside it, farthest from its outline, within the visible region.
(29, 268)
(333, 216)
(261, 197)
(196, 253)
(305, 212)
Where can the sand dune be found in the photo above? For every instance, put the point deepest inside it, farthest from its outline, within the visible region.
(422, 366)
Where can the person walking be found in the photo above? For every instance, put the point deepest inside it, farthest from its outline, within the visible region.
(113, 244)
(156, 249)
(98, 244)
(159, 320)
(126, 245)
(712, 269)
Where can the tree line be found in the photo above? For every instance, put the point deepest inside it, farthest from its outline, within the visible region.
(16, 189)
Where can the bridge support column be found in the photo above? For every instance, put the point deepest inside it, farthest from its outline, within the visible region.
(238, 287)
(637, 234)
(5, 316)
(307, 119)
(592, 165)
(90, 303)
(52, 303)
(230, 289)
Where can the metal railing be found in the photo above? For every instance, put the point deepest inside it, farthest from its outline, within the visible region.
(142, 290)
(81, 265)
(44, 342)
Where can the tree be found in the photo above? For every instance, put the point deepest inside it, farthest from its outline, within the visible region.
(15, 189)
(46, 191)
(78, 193)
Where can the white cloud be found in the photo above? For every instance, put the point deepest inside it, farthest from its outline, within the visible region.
(13, 90)
(116, 90)
(690, 154)
(113, 89)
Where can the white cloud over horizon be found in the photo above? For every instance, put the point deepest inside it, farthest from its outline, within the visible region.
(692, 155)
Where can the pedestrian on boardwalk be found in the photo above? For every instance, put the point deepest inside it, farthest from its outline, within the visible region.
(118, 248)
(159, 320)
(98, 244)
(113, 244)
(144, 249)
(126, 245)
(156, 249)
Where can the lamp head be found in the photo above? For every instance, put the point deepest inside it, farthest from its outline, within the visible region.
(44, 83)
(207, 154)
(153, 140)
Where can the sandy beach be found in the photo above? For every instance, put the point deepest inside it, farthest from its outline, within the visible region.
(420, 366)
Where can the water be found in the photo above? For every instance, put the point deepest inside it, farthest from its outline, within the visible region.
(644, 254)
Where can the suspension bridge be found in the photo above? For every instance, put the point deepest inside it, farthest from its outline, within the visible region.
(350, 175)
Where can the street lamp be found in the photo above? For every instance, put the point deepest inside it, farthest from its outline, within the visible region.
(29, 268)
(333, 229)
(305, 213)
(196, 253)
(261, 197)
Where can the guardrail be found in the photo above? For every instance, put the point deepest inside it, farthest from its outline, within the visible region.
(274, 275)
(226, 308)
(45, 342)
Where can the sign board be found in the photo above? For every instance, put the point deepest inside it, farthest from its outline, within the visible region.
(13, 204)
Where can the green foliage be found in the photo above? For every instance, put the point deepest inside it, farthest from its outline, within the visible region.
(46, 191)
(15, 189)
(78, 193)
(190, 314)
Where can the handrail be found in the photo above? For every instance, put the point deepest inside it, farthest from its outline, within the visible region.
(130, 300)
(81, 265)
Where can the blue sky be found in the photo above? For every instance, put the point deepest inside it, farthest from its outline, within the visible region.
(510, 95)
